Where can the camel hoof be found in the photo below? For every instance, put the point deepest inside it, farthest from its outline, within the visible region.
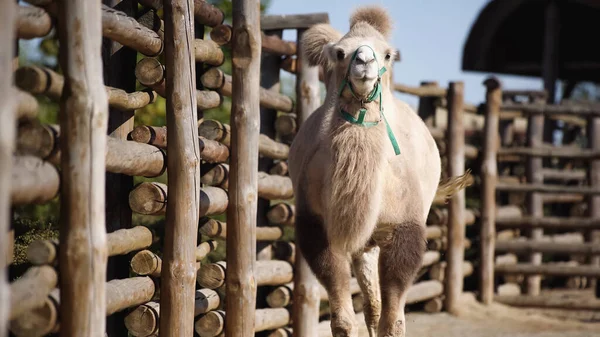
(398, 329)
(343, 328)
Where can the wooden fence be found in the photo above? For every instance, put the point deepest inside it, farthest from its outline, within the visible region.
(214, 168)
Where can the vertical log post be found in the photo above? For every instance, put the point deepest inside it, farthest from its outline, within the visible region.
(426, 108)
(489, 176)
(118, 58)
(243, 174)
(593, 133)
(456, 206)
(84, 121)
(534, 202)
(8, 106)
(305, 313)
(178, 277)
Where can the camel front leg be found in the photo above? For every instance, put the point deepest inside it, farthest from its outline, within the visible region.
(332, 268)
(400, 258)
(365, 266)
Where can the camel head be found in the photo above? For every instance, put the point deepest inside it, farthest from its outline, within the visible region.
(357, 60)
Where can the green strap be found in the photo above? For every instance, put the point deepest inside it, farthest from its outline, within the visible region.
(376, 92)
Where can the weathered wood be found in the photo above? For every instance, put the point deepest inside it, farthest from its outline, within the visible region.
(583, 110)
(143, 320)
(214, 78)
(284, 250)
(151, 73)
(456, 226)
(33, 181)
(221, 34)
(275, 45)
(566, 174)
(565, 152)
(547, 188)
(204, 12)
(205, 248)
(549, 302)
(27, 105)
(421, 91)
(145, 263)
(29, 291)
(183, 210)
(274, 187)
(215, 175)
(218, 229)
(125, 30)
(209, 52)
(119, 242)
(489, 174)
(150, 198)
(296, 21)
(84, 113)
(280, 297)
(281, 332)
(212, 151)
(212, 324)
(32, 22)
(439, 217)
(438, 270)
(280, 169)
(430, 257)
(509, 288)
(272, 149)
(286, 125)
(44, 81)
(268, 272)
(423, 291)
(120, 295)
(548, 270)
(593, 202)
(528, 247)
(434, 305)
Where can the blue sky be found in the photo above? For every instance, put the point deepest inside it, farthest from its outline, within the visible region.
(430, 35)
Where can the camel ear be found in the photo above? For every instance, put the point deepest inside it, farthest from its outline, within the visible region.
(375, 16)
(315, 40)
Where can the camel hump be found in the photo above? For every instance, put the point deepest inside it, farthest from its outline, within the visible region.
(452, 185)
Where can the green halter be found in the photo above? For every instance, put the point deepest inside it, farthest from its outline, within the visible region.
(375, 93)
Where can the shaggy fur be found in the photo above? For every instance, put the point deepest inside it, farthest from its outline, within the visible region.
(352, 191)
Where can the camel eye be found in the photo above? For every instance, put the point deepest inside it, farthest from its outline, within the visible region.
(388, 56)
(340, 54)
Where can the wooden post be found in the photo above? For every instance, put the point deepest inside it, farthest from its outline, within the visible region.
(593, 133)
(183, 164)
(305, 311)
(8, 107)
(456, 205)
(534, 202)
(426, 108)
(83, 119)
(119, 61)
(489, 176)
(243, 174)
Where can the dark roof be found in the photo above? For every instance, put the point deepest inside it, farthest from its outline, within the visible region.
(508, 35)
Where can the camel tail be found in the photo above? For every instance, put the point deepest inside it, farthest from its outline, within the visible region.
(451, 186)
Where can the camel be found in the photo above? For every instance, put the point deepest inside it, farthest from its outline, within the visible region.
(365, 171)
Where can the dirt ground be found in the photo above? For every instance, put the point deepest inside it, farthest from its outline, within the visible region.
(496, 320)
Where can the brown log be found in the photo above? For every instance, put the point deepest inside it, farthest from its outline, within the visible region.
(145, 263)
(268, 272)
(151, 73)
(34, 181)
(212, 151)
(566, 152)
(150, 198)
(489, 176)
(182, 211)
(205, 248)
(280, 297)
(434, 305)
(32, 22)
(550, 302)
(437, 271)
(212, 324)
(572, 223)
(283, 250)
(282, 214)
(550, 198)
(548, 270)
(456, 167)
(272, 149)
(209, 52)
(218, 229)
(433, 232)
(423, 291)
(280, 169)
(528, 247)
(281, 332)
(429, 258)
(125, 30)
(216, 175)
(558, 174)
(34, 138)
(586, 110)
(29, 291)
(285, 125)
(275, 45)
(273, 187)
(508, 212)
(546, 188)
(27, 105)
(221, 34)
(143, 320)
(44, 81)
(421, 91)
(215, 79)
(204, 12)
(439, 217)
(120, 242)
(120, 295)
(510, 289)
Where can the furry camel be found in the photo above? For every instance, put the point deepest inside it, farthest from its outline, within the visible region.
(365, 171)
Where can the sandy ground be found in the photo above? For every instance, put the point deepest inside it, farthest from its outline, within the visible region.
(496, 320)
